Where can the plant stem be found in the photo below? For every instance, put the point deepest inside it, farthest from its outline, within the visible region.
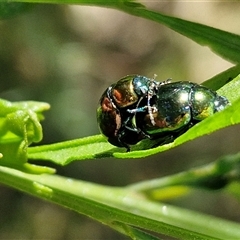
(109, 205)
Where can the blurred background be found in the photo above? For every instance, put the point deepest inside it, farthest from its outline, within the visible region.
(67, 56)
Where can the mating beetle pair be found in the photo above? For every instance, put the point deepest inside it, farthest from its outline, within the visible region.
(137, 107)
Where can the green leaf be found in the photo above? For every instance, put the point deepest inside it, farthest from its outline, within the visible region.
(104, 3)
(97, 147)
(222, 78)
(68, 151)
(223, 43)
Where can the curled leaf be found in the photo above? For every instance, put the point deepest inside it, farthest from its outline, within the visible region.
(19, 127)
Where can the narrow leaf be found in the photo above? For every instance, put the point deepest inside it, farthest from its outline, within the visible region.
(222, 78)
(223, 43)
(97, 146)
(79, 149)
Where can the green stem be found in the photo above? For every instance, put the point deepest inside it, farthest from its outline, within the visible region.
(132, 232)
(120, 205)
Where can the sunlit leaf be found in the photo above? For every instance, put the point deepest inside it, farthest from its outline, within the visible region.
(97, 146)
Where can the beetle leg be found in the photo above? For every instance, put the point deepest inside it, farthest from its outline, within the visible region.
(123, 143)
(150, 111)
(151, 92)
(131, 126)
(165, 82)
(142, 109)
(136, 110)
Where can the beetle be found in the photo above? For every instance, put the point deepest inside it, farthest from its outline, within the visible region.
(137, 107)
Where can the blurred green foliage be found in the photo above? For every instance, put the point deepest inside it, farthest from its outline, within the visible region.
(67, 56)
(8, 9)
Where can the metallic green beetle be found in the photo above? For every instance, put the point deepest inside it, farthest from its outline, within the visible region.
(137, 107)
